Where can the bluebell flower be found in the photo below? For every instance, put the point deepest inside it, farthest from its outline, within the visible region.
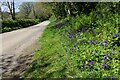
(91, 41)
(105, 44)
(106, 77)
(108, 55)
(105, 57)
(59, 25)
(105, 66)
(113, 77)
(71, 36)
(112, 52)
(115, 36)
(90, 63)
(76, 32)
(76, 43)
(90, 74)
(95, 33)
(105, 41)
(66, 23)
(84, 66)
(92, 68)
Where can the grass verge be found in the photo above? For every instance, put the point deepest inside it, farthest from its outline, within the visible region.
(73, 48)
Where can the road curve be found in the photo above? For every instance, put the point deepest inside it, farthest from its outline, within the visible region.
(16, 41)
(18, 48)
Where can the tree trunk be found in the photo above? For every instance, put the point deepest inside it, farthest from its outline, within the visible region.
(1, 13)
(12, 9)
(34, 12)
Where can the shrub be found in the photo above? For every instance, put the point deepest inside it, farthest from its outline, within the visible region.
(9, 25)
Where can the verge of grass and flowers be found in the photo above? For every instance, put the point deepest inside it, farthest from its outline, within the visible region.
(85, 46)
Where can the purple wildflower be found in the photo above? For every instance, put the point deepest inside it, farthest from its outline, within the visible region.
(105, 41)
(95, 33)
(59, 25)
(71, 36)
(113, 77)
(105, 44)
(92, 68)
(107, 55)
(112, 52)
(105, 66)
(84, 66)
(115, 36)
(66, 23)
(76, 32)
(105, 58)
(106, 77)
(90, 74)
(76, 43)
(90, 63)
(91, 41)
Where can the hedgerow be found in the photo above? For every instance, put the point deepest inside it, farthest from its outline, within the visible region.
(9, 25)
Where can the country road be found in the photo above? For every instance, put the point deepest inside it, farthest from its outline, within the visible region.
(19, 42)
(15, 41)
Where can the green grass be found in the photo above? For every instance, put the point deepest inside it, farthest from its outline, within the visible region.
(67, 52)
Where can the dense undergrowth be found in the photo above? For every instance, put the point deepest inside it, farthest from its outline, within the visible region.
(86, 46)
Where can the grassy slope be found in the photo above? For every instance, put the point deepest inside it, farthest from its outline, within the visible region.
(74, 52)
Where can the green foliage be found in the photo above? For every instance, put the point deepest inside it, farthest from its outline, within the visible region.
(80, 21)
(25, 9)
(74, 53)
(37, 10)
(59, 10)
(63, 9)
(86, 46)
(9, 25)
